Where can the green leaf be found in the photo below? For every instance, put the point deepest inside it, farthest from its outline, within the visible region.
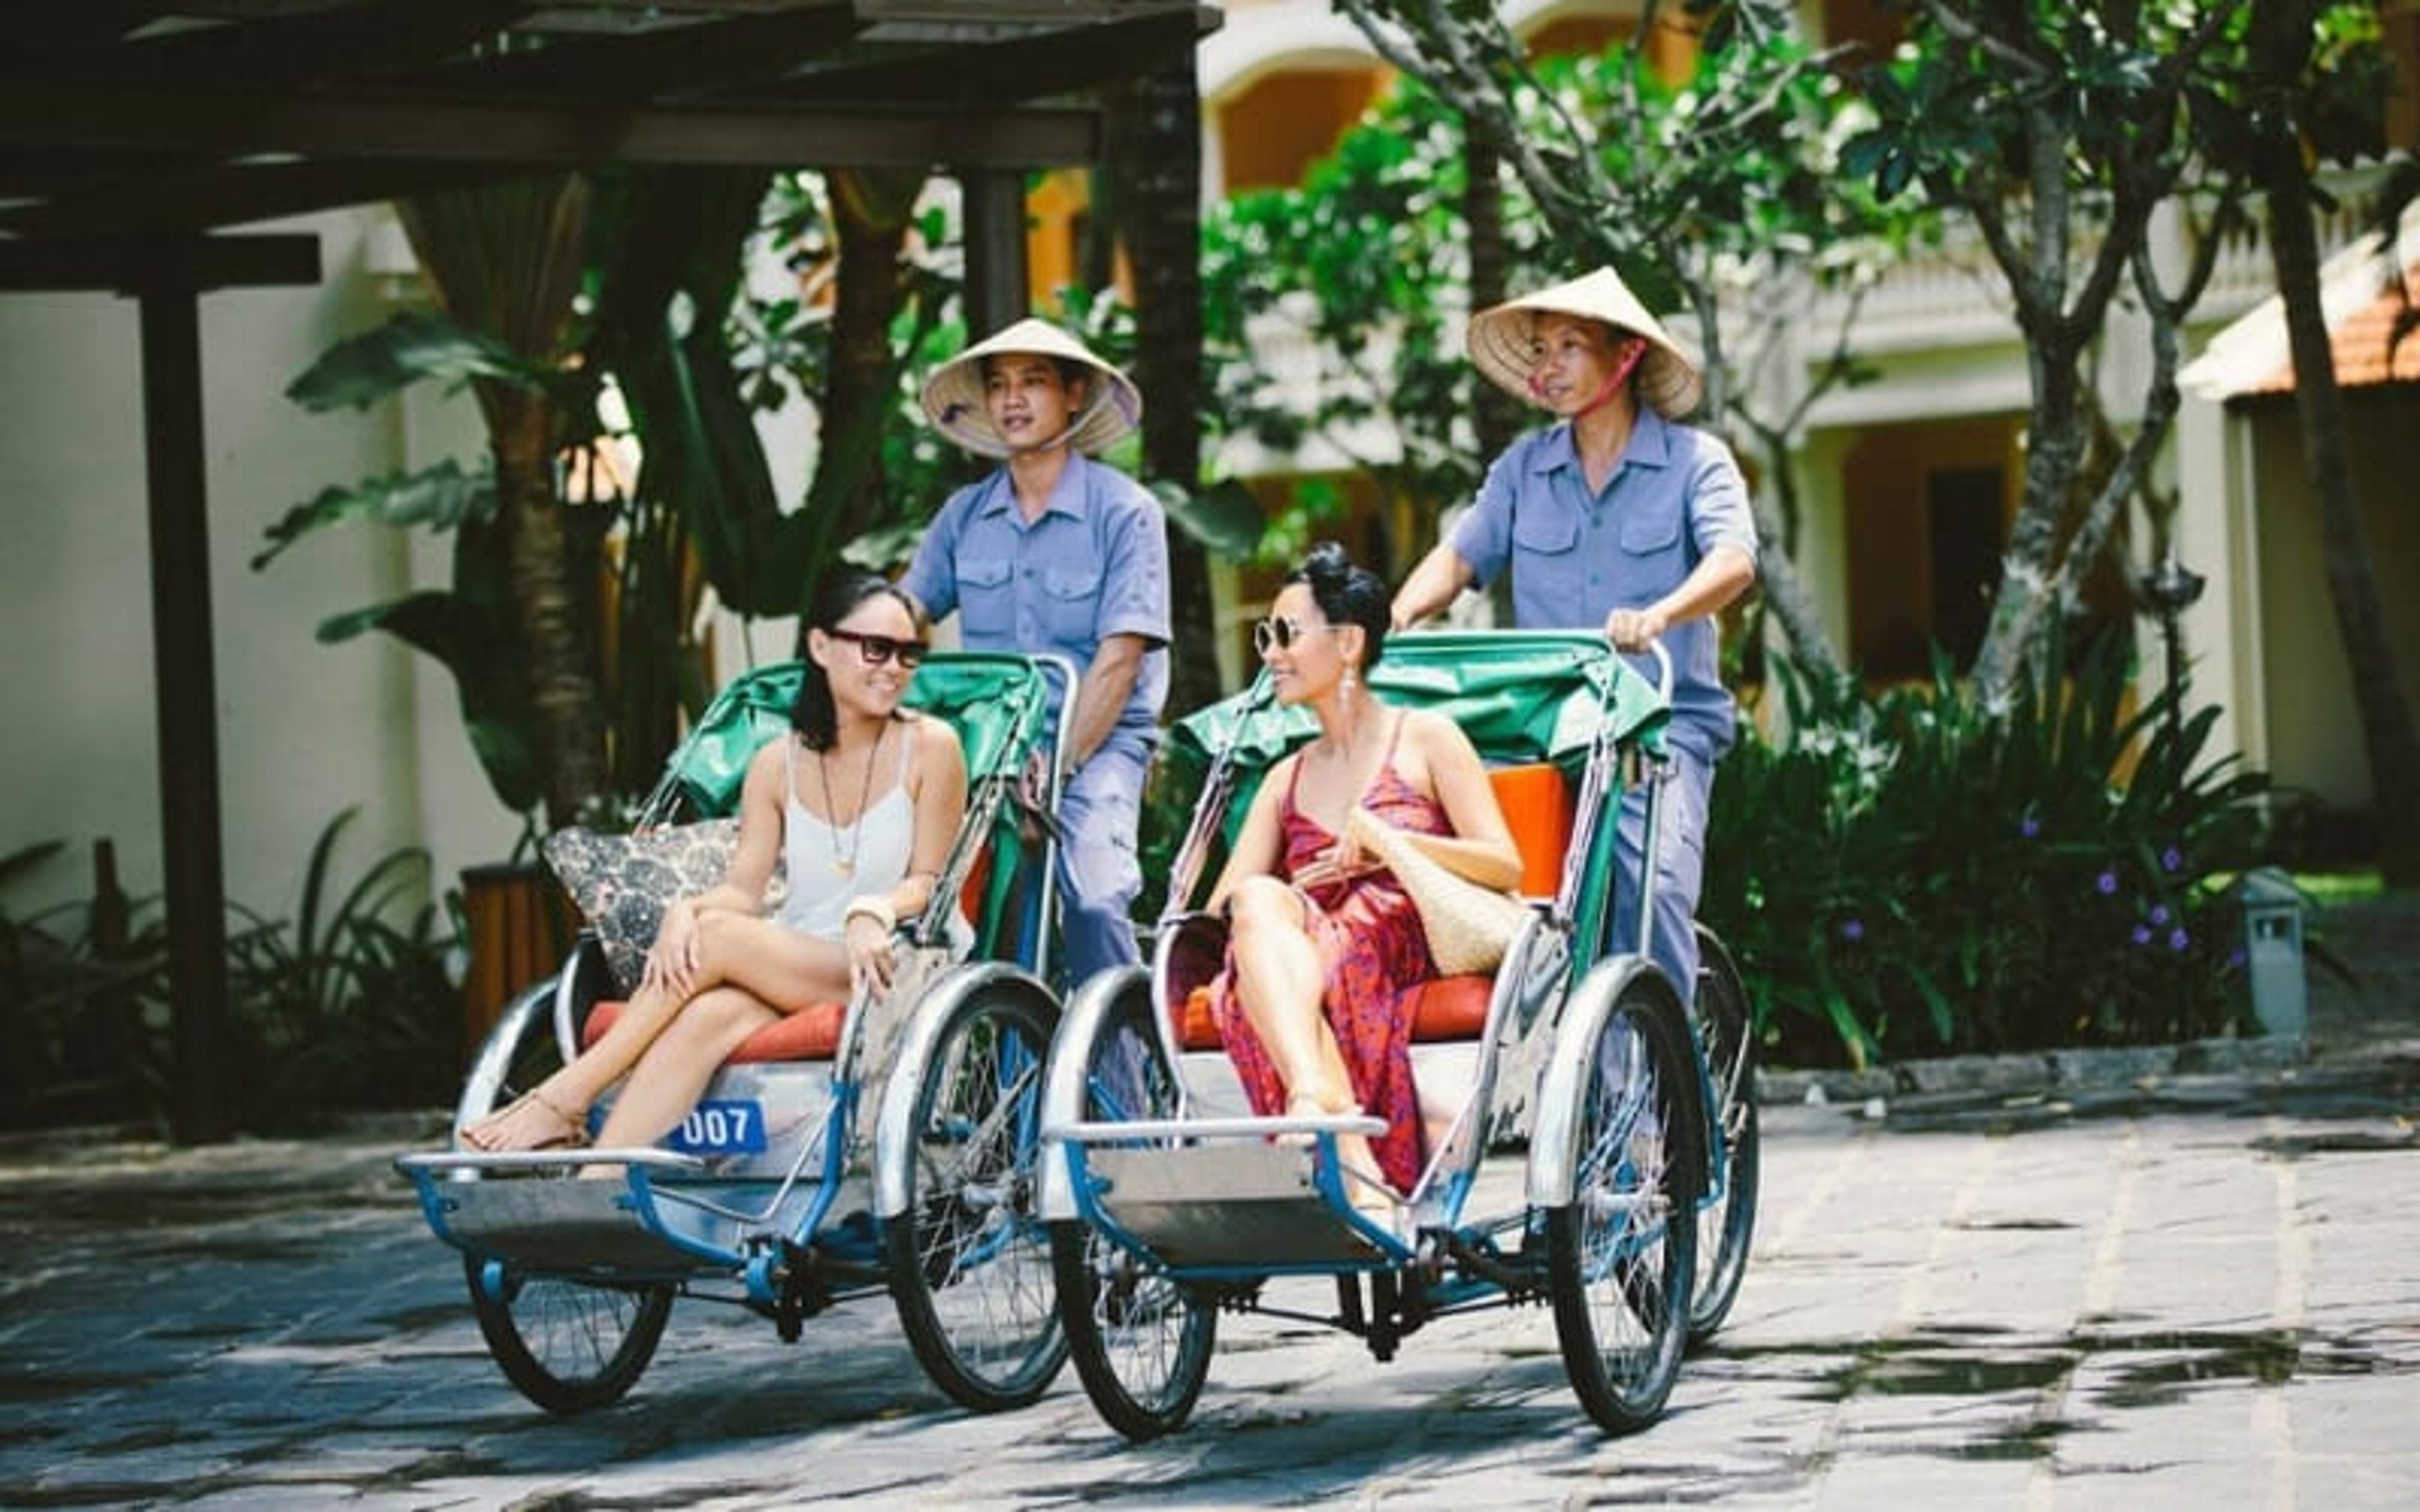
(439, 497)
(1225, 518)
(410, 348)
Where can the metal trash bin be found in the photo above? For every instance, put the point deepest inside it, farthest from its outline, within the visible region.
(2272, 949)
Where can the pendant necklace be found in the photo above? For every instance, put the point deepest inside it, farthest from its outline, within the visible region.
(844, 861)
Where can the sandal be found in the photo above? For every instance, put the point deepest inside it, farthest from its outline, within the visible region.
(571, 1130)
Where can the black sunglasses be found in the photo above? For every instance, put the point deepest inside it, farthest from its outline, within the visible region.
(1281, 633)
(877, 649)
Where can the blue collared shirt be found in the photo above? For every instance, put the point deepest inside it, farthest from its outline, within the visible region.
(1675, 495)
(1093, 564)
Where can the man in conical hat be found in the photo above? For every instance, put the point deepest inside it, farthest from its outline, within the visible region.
(1056, 552)
(1616, 517)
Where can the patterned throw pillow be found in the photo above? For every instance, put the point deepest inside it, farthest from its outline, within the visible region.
(622, 883)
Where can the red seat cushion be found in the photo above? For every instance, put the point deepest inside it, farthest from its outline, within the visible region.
(810, 1034)
(1443, 1009)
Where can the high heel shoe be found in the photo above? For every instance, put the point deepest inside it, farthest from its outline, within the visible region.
(569, 1130)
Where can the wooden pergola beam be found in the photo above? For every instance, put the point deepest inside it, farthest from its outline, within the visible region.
(427, 127)
(133, 265)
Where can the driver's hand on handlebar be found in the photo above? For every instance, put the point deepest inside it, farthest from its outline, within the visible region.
(1634, 629)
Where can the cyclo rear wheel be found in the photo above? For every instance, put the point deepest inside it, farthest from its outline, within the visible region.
(1725, 1227)
(1621, 1254)
(1142, 1341)
(969, 1260)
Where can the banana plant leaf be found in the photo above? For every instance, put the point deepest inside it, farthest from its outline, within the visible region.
(1225, 518)
(440, 497)
(412, 347)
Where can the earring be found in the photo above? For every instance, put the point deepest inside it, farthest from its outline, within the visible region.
(1352, 681)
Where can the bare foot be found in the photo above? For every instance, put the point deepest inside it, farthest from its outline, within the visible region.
(533, 1122)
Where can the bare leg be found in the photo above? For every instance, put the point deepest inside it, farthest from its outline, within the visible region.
(1280, 980)
(780, 968)
(674, 1071)
(1281, 984)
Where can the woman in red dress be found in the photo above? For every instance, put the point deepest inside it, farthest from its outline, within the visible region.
(1322, 943)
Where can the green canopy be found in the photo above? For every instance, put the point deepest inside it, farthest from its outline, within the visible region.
(995, 701)
(1520, 695)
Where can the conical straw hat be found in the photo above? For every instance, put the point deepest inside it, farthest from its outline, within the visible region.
(952, 396)
(1502, 344)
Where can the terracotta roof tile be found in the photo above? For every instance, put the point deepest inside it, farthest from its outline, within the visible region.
(2360, 343)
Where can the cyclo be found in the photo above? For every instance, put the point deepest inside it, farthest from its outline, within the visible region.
(1169, 1203)
(896, 1155)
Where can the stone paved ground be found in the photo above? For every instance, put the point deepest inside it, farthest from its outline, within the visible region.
(2205, 1309)
(2191, 1288)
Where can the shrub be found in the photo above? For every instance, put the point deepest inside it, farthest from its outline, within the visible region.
(348, 1004)
(1910, 875)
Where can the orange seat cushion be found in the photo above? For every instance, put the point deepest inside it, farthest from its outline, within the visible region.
(1537, 804)
(1443, 1009)
(810, 1034)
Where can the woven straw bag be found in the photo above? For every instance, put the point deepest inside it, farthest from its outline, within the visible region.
(1469, 927)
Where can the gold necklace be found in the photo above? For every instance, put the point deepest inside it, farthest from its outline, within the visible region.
(844, 862)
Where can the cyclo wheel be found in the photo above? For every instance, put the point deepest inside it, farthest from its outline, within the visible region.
(570, 1347)
(1618, 1265)
(1728, 1042)
(1140, 1341)
(968, 1260)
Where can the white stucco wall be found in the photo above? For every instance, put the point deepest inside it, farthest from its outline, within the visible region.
(305, 730)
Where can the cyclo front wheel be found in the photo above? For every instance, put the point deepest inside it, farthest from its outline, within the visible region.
(1142, 1341)
(1622, 1252)
(970, 1261)
(568, 1346)
(1726, 1226)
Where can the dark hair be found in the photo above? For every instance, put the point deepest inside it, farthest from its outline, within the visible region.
(1347, 594)
(1071, 372)
(811, 713)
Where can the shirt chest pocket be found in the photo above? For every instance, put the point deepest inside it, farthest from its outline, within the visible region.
(987, 596)
(1547, 533)
(1071, 603)
(1650, 526)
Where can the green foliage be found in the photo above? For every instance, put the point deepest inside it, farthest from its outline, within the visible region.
(1367, 260)
(348, 1004)
(1909, 875)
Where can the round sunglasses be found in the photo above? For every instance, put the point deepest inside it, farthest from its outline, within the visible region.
(1279, 633)
(877, 649)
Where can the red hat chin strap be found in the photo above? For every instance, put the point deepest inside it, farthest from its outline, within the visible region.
(1611, 386)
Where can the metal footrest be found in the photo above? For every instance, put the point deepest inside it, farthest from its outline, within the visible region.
(556, 1226)
(1225, 1203)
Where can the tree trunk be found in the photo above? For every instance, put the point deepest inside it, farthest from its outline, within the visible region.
(1155, 130)
(872, 210)
(2028, 569)
(1496, 415)
(553, 586)
(2281, 40)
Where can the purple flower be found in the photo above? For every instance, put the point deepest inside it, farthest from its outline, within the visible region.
(2107, 882)
(2159, 913)
(1853, 929)
(2235, 958)
(2142, 935)
(2178, 939)
(2029, 826)
(2171, 859)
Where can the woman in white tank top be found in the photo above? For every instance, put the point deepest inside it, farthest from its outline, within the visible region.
(858, 802)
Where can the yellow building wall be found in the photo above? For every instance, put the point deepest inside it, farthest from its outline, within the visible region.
(2314, 726)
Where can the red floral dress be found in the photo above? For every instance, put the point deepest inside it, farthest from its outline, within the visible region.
(1373, 951)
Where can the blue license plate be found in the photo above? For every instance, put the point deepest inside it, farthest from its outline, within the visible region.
(720, 1128)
